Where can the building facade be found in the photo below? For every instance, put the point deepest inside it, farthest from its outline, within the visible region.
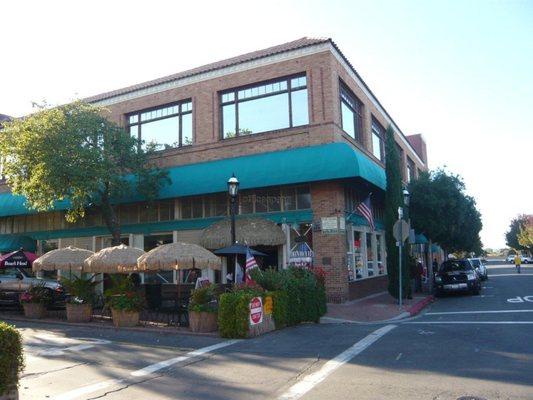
(299, 128)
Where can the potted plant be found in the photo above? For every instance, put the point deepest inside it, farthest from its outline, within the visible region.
(11, 361)
(80, 298)
(203, 309)
(125, 302)
(35, 300)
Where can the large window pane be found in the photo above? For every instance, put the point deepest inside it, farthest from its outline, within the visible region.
(163, 133)
(265, 114)
(376, 145)
(246, 202)
(348, 120)
(299, 107)
(186, 129)
(289, 199)
(228, 121)
(303, 197)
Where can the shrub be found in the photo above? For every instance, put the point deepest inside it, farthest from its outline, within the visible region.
(80, 290)
(269, 279)
(233, 312)
(37, 293)
(226, 315)
(123, 295)
(204, 299)
(11, 358)
(280, 307)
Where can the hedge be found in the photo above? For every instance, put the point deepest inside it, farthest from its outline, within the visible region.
(297, 296)
(11, 358)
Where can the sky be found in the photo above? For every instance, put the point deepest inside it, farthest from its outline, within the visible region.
(459, 72)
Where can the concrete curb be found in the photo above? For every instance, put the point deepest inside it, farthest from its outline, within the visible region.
(416, 308)
(152, 329)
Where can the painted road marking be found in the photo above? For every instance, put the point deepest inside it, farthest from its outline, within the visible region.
(310, 381)
(87, 343)
(472, 322)
(477, 312)
(519, 299)
(521, 274)
(74, 394)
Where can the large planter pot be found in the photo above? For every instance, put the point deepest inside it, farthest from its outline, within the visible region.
(11, 394)
(203, 322)
(34, 310)
(123, 318)
(79, 312)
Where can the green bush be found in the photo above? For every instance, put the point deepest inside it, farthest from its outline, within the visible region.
(79, 289)
(280, 302)
(123, 295)
(204, 299)
(233, 314)
(11, 358)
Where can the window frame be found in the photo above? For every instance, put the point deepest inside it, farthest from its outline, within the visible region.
(377, 129)
(179, 114)
(235, 90)
(358, 128)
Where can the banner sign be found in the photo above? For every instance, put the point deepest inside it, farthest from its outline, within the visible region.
(256, 311)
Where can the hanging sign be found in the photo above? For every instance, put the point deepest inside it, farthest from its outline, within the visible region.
(256, 311)
(269, 306)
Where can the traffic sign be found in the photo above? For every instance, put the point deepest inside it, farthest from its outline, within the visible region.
(256, 311)
(400, 230)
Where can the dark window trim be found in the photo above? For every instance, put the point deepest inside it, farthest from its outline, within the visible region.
(343, 87)
(236, 101)
(381, 134)
(179, 114)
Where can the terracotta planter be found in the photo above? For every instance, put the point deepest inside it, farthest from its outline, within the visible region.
(123, 318)
(203, 322)
(12, 394)
(34, 310)
(79, 312)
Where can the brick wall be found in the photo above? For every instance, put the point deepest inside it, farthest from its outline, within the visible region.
(327, 200)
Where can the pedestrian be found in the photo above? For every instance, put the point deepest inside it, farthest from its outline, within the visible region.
(517, 262)
(435, 265)
(418, 276)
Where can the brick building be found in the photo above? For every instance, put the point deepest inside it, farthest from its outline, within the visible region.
(302, 132)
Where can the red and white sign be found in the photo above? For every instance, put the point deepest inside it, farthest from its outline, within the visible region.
(256, 311)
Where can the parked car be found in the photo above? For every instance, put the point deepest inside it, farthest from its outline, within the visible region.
(457, 275)
(480, 268)
(15, 281)
(510, 259)
(525, 259)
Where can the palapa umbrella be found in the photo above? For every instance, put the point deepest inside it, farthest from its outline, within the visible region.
(175, 256)
(65, 258)
(112, 260)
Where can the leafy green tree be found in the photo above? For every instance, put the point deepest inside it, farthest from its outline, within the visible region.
(441, 209)
(517, 235)
(73, 153)
(393, 200)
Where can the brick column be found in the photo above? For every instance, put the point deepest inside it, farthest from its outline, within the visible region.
(327, 200)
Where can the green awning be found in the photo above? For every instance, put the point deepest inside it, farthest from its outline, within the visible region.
(9, 243)
(435, 248)
(293, 166)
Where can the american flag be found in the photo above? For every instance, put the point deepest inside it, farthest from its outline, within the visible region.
(250, 264)
(365, 208)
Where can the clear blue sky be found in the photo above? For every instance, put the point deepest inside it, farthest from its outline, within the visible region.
(459, 72)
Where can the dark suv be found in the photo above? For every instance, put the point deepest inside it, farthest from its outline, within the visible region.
(457, 276)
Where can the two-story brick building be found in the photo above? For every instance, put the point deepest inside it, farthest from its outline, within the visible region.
(299, 128)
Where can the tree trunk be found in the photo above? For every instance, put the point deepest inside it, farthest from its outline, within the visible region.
(111, 219)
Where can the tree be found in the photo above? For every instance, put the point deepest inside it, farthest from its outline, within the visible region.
(441, 210)
(517, 237)
(73, 153)
(393, 200)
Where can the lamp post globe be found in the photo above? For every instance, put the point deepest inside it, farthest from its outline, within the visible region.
(406, 197)
(233, 186)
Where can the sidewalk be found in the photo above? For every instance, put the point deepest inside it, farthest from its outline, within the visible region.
(378, 307)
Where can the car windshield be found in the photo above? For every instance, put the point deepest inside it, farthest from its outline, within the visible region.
(450, 266)
(476, 262)
(27, 272)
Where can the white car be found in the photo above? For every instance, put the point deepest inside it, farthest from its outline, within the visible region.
(525, 259)
(510, 259)
(480, 268)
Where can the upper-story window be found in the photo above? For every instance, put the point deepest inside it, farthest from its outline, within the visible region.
(351, 113)
(378, 143)
(165, 127)
(266, 107)
(410, 170)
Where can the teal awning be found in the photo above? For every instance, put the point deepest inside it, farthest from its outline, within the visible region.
(9, 243)
(435, 248)
(420, 238)
(293, 166)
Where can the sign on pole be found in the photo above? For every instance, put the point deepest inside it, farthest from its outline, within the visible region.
(256, 311)
(400, 230)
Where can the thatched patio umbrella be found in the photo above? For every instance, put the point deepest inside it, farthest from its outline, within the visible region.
(175, 256)
(252, 231)
(65, 258)
(112, 260)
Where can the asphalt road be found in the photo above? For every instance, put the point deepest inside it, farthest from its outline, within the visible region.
(461, 346)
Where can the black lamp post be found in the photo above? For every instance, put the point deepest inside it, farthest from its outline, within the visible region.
(233, 191)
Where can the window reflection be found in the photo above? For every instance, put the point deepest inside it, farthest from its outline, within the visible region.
(351, 111)
(261, 108)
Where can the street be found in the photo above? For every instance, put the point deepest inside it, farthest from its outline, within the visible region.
(460, 346)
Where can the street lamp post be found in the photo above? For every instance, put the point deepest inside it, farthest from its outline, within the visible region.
(406, 196)
(233, 191)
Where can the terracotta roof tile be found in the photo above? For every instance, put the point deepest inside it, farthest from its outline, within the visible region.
(296, 44)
